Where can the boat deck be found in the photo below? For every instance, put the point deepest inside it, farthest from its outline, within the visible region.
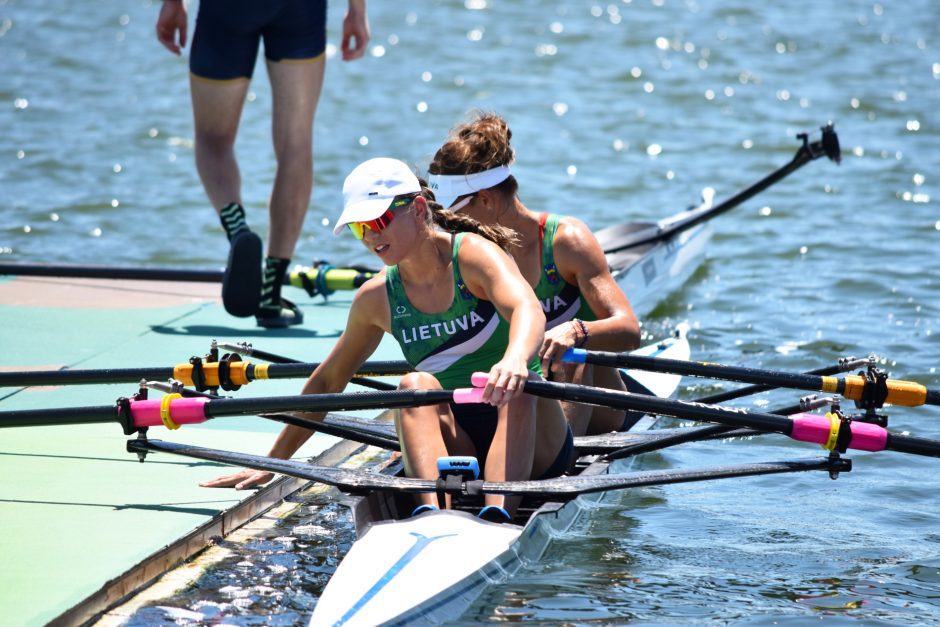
(77, 510)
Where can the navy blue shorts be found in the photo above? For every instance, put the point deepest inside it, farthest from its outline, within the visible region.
(225, 44)
(479, 422)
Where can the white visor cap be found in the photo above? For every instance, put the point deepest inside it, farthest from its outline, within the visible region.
(370, 188)
(449, 187)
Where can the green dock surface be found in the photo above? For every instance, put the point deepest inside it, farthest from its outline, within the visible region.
(77, 510)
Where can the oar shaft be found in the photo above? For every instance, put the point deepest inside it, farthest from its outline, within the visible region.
(191, 410)
(239, 373)
(822, 430)
(59, 416)
(27, 378)
(853, 387)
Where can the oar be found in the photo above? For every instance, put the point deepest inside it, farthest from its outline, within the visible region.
(354, 480)
(172, 412)
(213, 373)
(827, 146)
(845, 364)
(323, 279)
(823, 430)
(347, 427)
(857, 388)
(721, 431)
(245, 348)
(711, 432)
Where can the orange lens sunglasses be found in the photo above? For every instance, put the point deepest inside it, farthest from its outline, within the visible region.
(380, 223)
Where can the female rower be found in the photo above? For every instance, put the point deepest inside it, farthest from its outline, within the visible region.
(558, 256)
(456, 303)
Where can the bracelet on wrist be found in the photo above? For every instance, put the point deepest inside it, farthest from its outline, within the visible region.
(584, 335)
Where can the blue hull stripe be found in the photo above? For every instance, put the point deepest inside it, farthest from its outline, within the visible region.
(421, 542)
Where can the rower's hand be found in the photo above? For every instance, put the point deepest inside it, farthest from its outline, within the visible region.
(506, 380)
(557, 341)
(241, 480)
(172, 20)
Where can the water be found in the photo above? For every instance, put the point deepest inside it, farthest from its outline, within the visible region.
(619, 111)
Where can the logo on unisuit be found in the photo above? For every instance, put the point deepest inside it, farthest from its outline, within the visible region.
(439, 329)
(401, 312)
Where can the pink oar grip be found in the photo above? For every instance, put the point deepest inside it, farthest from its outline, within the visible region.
(468, 395)
(815, 428)
(183, 411)
(479, 379)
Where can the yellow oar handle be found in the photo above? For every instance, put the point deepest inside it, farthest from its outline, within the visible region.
(240, 373)
(906, 393)
(329, 278)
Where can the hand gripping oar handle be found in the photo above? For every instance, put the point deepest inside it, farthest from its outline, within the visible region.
(907, 393)
(822, 430)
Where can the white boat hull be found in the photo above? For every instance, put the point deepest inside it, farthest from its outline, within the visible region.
(428, 569)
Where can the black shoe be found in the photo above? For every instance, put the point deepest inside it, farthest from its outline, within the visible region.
(287, 314)
(241, 285)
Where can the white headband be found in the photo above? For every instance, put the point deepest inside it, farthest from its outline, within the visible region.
(449, 187)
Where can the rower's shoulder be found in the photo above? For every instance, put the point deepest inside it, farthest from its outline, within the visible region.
(574, 234)
(372, 289)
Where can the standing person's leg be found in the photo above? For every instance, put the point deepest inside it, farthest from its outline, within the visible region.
(222, 59)
(294, 46)
(295, 87)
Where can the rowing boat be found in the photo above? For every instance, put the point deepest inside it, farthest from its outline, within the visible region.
(646, 259)
(429, 568)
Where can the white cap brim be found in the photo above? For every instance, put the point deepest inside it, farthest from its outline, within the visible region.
(449, 187)
(362, 211)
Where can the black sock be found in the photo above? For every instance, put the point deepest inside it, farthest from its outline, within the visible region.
(233, 219)
(274, 270)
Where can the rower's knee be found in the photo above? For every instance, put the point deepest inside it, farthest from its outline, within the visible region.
(419, 381)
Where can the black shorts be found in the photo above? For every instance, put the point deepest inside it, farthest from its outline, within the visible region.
(478, 421)
(225, 44)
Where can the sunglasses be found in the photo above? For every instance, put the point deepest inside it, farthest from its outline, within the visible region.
(378, 224)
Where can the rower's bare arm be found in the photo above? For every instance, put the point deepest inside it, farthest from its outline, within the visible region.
(491, 274)
(364, 329)
(581, 261)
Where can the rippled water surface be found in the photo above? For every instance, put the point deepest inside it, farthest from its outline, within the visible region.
(620, 111)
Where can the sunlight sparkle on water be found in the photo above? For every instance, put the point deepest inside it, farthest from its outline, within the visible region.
(654, 150)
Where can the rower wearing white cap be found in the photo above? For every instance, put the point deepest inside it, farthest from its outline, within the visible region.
(558, 255)
(456, 303)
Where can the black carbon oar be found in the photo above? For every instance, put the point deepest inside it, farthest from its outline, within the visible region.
(213, 373)
(845, 364)
(827, 146)
(854, 387)
(353, 480)
(804, 427)
(324, 279)
(134, 414)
